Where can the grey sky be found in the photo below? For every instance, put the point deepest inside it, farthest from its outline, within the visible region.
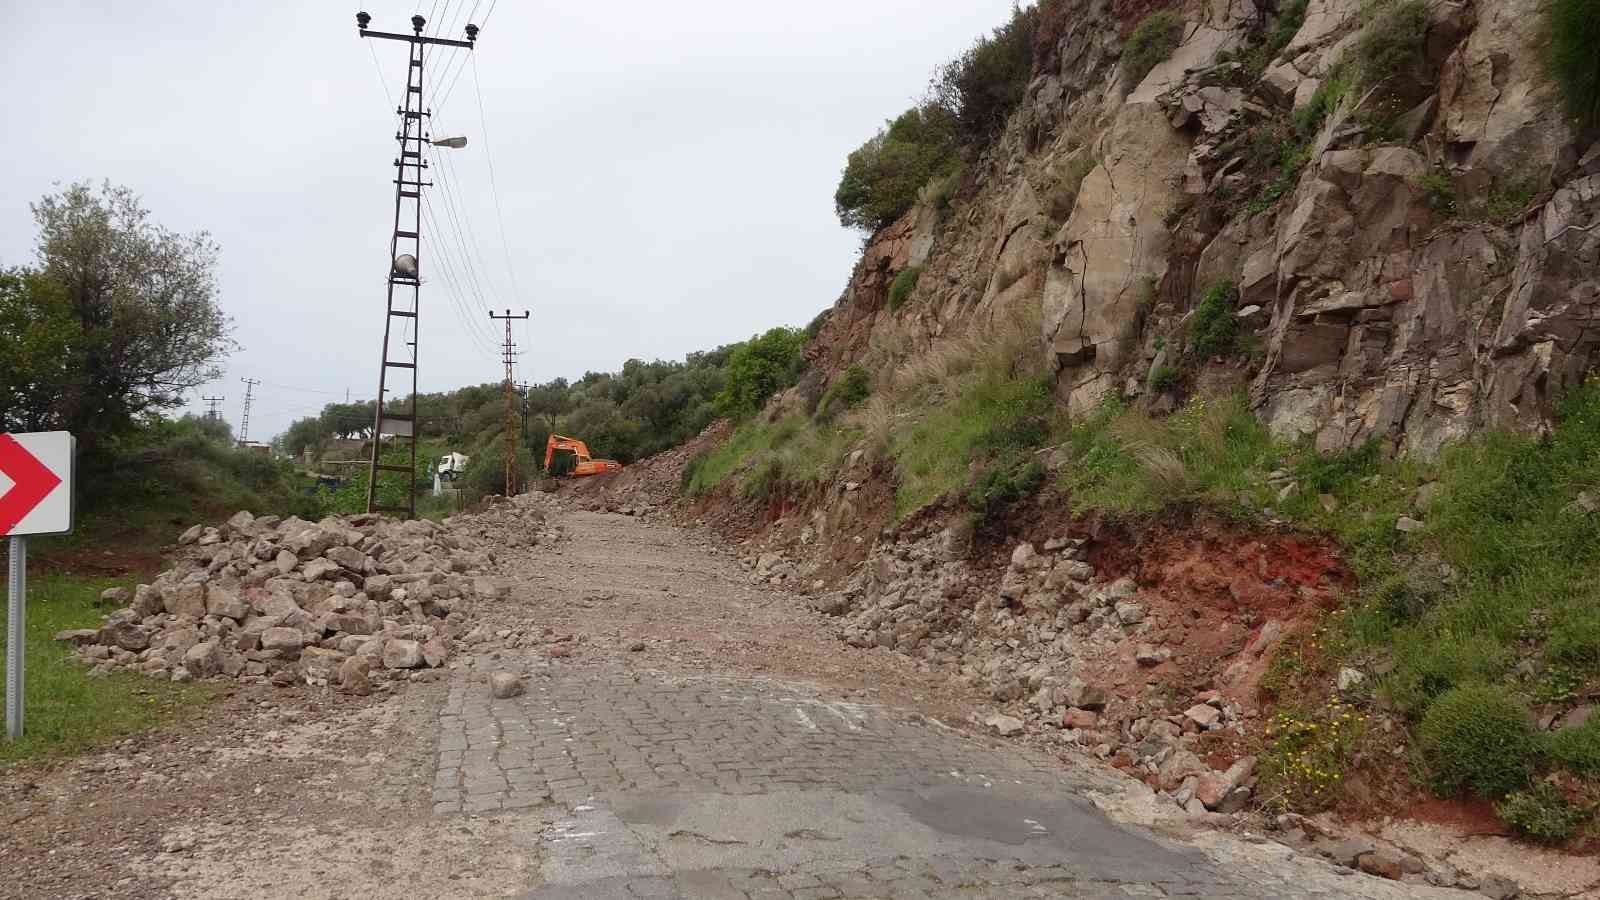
(666, 171)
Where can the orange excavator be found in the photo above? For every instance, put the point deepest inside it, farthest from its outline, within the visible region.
(585, 466)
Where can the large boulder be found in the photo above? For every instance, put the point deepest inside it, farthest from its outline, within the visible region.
(287, 641)
(402, 654)
(187, 599)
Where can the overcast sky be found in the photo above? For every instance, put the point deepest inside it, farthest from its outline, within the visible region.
(665, 170)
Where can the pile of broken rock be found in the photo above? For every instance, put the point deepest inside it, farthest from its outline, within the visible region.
(346, 601)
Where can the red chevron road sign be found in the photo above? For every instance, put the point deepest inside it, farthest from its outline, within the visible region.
(36, 483)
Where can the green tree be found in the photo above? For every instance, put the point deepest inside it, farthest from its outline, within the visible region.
(882, 177)
(760, 368)
(143, 300)
(40, 350)
(982, 86)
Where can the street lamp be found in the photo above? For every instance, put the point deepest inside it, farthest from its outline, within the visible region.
(454, 143)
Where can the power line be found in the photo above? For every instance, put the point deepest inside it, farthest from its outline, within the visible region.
(450, 89)
(488, 157)
(456, 293)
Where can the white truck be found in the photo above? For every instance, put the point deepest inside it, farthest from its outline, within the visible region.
(452, 466)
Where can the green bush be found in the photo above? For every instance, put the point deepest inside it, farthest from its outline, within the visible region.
(814, 327)
(1438, 192)
(1477, 739)
(1290, 18)
(848, 390)
(1003, 484)
(983, 85)
(902, 286)
(759, 368)
(1577, 749)
(882, 177)
(1164, 379)
(1330, 473)
(1214, 329)
(1153, 40)
(1573, 54)
(1542, 814)
(1309, 118)
(1391, 46)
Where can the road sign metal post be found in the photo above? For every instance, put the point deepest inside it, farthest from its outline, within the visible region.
(15, 595)
(37, 498)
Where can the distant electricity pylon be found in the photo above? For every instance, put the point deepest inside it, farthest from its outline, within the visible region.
(509, 356)
(212, 403)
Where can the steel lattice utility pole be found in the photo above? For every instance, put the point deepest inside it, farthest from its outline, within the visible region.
(510, 358)
(405, 251)
(244, 424)
(212, 403)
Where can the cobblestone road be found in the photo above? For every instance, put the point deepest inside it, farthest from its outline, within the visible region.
(728, 787)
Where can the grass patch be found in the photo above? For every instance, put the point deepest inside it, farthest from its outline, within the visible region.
(1212, 450)
(761, 457)
(991, 417)
(1438, 192)
(68, 712)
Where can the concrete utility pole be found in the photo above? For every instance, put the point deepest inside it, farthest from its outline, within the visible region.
(212, 403)
(522, 389)
(405, 253)
(510, 357)
(244, 425)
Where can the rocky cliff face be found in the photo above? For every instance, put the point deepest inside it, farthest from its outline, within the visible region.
(1373, 306)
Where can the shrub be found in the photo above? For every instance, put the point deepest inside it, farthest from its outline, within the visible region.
(983, 85)
(1215, 327)
(1330, 473)
(902, 286)
(1438, 192)
(1164, 379)
(1476, 739)
(1577, 749)
(1573, 54)
(883, 176)
(1391, 46)
(1152, 41)
(1542, 814)
(1003, 484)
(1334, 87)
(759, 368)
(847, 391)
(1290, 18)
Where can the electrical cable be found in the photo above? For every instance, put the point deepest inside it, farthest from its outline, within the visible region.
(493, 186)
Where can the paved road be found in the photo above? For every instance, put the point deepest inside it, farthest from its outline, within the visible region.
(675, 781)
